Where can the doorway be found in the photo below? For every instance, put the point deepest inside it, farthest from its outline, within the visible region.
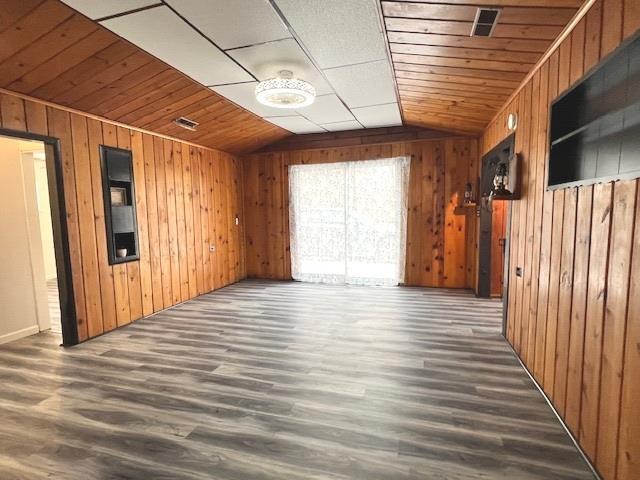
(493, 225)
(348, 221)
(35, 292)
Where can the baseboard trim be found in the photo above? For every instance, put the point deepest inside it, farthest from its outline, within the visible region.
(584, 456)
(24, 332)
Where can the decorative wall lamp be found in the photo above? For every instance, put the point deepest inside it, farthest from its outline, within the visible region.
(467, 201)
(500, 182)
(505, 179)
(512, 121)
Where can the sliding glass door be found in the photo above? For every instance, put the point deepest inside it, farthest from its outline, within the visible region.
(348, 221)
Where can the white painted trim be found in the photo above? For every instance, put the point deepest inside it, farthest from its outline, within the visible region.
(25, 332)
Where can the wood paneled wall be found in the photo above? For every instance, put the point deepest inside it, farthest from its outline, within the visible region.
(440, 248)
(186, 198)
(574, 316)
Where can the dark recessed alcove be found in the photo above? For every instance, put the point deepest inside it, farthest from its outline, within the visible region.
(119, 204)
(595, 126)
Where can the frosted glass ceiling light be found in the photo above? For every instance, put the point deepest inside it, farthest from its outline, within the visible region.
(285, 91)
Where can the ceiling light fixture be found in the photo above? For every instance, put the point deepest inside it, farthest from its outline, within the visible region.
(284, 91)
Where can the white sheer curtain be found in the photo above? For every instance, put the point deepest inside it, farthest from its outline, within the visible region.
(348, 221)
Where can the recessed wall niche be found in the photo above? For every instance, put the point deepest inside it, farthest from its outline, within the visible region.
(119, 204)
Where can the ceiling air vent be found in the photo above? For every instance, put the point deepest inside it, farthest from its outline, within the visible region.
(186, 123)
(485, 22)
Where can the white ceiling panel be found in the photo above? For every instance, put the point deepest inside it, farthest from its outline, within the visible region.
(337, 32)
(364, 84)
(232, 24)
(326, 109)
(296, 124)
(340, 126)
(163, 34)
(378, 115)
(266, 60)
(243, 94)
(103, 8)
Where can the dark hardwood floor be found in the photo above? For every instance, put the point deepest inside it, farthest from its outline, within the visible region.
(286, 381)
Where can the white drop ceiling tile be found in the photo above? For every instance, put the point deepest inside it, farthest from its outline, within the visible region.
(267, 59)
(378, 115)
(326, 109)
(296, 124)
(340, 126)
(337, 32)
(364, 84)
(103, 8)
(232, 24)
(243, 94)
(163, 34)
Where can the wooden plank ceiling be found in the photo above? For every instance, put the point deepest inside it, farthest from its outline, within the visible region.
(448, 79)
(51, 52)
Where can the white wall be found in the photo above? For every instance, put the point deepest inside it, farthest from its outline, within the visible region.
(23, 296)
(44, 212)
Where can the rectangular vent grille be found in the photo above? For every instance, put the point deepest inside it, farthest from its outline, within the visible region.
(485, 22)
(186, 123)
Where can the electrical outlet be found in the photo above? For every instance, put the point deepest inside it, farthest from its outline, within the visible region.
(212, 248)
(237, 221)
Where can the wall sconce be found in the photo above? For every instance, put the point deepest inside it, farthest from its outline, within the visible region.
(468, 194)
(512, 121)
(467, 201)
(500, 182)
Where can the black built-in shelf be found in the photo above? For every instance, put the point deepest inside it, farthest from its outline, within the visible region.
(595, 126)
(120, 220)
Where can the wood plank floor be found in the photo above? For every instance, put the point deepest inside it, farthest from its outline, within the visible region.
(286, 381)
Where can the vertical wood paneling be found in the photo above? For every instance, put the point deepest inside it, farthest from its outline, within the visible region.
(60, 127)
(542, 229)
(613, 338)
(629, 447)
(163, 221)
(120, 279)
(582, 329)
(437, 241)
(132, 268)
(197, 231)
(183, 264)
(578, 309)
(82, 170)
(594, 317)
(456, 155)
(141, 212)
(169, 170)
(110, 296)
(187, 157)
(152, 221)
(611, 25)
(204, 222)
(107, 295)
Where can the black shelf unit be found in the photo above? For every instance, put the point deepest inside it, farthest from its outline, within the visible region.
(595, 126)
(120, 218)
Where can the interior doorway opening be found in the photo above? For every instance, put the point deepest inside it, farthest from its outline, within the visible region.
(35, 283)
(493, 241)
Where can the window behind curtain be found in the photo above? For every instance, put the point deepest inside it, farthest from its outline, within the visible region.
(348, 221)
